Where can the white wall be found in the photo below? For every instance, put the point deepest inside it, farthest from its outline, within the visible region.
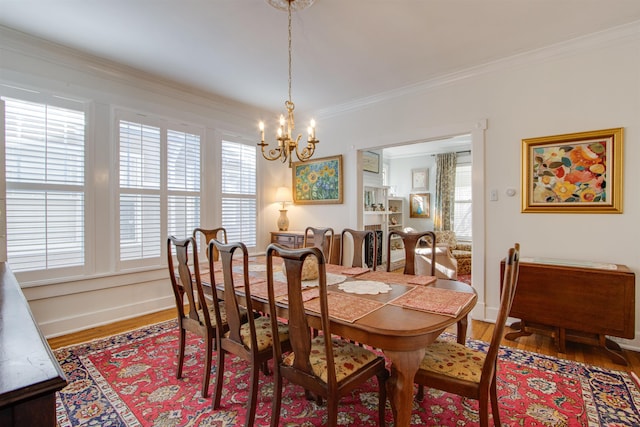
(588, 85)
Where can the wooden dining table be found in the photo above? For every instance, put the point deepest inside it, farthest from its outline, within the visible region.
(378, 320)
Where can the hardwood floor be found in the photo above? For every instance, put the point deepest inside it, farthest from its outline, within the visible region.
(479, 330)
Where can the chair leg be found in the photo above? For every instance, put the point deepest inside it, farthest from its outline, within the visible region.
(493, 396)
(253, 395)
(217, 391)
(420, 395)
(181, 352)
(332, 411)
(207, 368)
(277, 396)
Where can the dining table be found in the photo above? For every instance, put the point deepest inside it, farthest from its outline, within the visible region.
(396, 313)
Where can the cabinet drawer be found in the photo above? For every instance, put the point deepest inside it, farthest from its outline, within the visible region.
(289, 240)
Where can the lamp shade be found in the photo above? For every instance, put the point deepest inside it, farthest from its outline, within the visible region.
(283, 195)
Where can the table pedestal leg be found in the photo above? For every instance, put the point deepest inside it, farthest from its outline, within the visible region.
(404, 365)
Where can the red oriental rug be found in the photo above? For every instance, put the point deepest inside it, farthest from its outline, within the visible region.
(129, 380)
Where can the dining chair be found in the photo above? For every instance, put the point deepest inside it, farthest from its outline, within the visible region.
(359, 238)
(410, 241)
(326, 366)
(209, 234)
(454, 368)
(200, 317)
(249, 334)
(320, 238)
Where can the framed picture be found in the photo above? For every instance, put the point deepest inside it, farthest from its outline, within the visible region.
(317, 181)
(573, 173)
(419, 206)
(420, 179)
(370, 162)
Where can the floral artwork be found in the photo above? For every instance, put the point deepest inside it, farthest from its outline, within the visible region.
(577, 174)
(318, 181)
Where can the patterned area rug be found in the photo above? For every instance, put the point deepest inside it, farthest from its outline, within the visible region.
(129, 380)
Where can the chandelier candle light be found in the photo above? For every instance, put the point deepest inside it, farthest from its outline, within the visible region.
(286, 145)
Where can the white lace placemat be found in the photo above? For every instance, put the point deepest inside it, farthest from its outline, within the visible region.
(332, 279)
(362, 287)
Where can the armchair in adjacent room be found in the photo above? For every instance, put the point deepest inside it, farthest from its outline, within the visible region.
(460, 251)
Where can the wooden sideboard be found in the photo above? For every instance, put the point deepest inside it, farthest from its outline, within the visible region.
(574, 301)
(295, 240)
(30, 375)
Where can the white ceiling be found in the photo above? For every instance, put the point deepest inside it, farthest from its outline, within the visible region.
(343, 50)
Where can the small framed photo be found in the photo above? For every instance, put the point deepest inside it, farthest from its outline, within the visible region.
(420, 179)
(419, 206)
(573, 173)
(370, 162)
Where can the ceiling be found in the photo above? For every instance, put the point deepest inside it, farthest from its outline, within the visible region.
(343, 50)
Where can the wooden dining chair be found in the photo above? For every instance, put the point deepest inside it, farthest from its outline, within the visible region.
(320, 238)
(326, 366)
(249, 334)
(200, 317)
(454, 368)
(209, 234)
(359, 238)
(410, 241)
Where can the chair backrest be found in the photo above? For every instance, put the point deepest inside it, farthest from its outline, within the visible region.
(188, 282)
(321, 238)
(209, 234)
(231, 300)
(509, 284)
(300, 333)
(359, 239)
(410, 241)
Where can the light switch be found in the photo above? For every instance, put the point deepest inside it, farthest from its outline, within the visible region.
(493, 195)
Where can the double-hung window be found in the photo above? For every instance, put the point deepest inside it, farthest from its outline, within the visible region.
(462, 208)
(239, 201)
(159, 187)
(45, 186)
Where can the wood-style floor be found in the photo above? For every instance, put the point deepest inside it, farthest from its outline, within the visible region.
(538, 343)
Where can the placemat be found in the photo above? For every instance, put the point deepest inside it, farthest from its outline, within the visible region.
(422, 280)
(347, 271)
(259, 289)
(332, 279)
(387, 277)
(434, 300)
(348, 308)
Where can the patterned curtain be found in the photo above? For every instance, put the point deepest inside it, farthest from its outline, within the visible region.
(445, 191)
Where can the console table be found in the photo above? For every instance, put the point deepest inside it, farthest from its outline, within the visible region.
(29, 373)
(575, 301)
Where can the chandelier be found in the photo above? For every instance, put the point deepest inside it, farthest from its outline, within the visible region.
(287, 146)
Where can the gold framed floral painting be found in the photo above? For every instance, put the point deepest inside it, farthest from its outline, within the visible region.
(317, 181)
(573, 173)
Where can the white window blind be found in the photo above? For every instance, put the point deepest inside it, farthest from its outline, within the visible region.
(183, 171)
(143, 189)
(238, 180)
(139, 149)
(45, 162)
(462, 212)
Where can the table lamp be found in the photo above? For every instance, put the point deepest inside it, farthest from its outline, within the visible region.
(283, 195)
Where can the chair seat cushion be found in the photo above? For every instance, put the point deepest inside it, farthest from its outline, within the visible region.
(212, 315)
(453, 360)
(348, 358)
(264, 337)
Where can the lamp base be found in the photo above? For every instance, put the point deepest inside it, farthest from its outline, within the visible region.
(283, 221)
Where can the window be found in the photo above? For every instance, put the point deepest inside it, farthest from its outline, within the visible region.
(462, 212)
(45, 174)
(144, 208)
(239, 204)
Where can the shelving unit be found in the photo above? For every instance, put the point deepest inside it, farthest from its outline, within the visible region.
(384, 213)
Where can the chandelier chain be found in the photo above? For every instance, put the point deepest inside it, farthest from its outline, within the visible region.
(289, 51)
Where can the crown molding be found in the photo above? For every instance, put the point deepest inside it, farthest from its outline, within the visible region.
(44, 50)
(609, 37)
